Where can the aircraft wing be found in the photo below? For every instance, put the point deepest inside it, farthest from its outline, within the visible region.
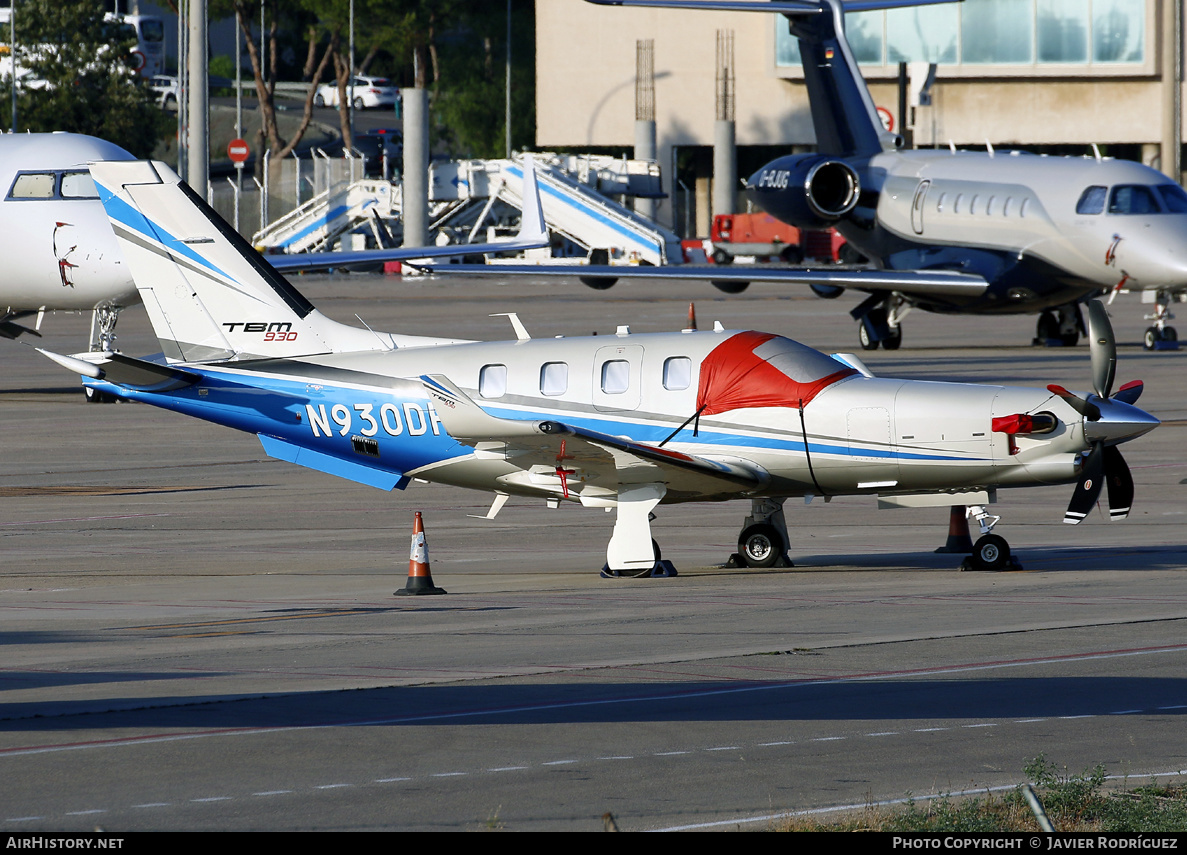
(587, 456)
(910, 282)
(533, 234)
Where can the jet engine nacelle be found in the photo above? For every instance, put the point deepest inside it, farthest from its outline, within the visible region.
(806, 190)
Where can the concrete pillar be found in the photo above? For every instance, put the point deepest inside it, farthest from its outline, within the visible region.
(414, 204)
(198, 137)
(1172, 107)
(725, 167)
(645, 150)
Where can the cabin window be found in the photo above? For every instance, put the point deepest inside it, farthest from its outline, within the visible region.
(973, 204)
(940, 202)
(1174, 197)
(1022, 210)
(677, 373)
(1092, 201)
(1006, 206)
(554, 378)
(78, 185)
(492, 381)
(1133, 199)
(956, 204)
(616, 376)
(989, 205)
(33, 185)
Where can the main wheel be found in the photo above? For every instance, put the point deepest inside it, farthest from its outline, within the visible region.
(895, 341)
(991, 553)
(1070, 339)
(863, 336)
(760, 545)
(1169, 334)
(1047, 327)
(1151, 338)
(792, 255)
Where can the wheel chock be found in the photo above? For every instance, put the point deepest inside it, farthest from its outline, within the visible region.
(735, 561)
(662, 569)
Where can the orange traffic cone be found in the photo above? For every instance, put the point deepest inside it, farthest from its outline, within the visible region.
(692, 317)
(959, 540)
(420, 580)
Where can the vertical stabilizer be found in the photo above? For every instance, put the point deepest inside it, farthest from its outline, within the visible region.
(843, 113)
(209, 294)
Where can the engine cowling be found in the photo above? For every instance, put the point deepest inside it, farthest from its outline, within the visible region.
(806, 190)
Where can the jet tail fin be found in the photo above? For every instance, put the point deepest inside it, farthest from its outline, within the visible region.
(209, 294)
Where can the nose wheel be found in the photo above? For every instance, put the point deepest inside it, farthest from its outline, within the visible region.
(763, 541)
(991, 552)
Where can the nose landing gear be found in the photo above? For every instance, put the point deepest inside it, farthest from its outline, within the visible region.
(990, 552)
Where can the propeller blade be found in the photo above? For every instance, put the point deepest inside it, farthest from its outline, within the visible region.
(1130, 392)
(1087, 409)
(1088, 487)
(1120, 483)
(1103, 348)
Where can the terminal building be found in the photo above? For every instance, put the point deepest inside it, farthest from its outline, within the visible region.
(1047, 75)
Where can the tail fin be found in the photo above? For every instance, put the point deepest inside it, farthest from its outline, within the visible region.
(843, 113)
(209, 294)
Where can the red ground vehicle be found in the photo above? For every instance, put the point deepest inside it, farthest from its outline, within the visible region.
(763, 235)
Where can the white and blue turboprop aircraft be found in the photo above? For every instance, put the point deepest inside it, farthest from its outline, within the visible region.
(624, 422)
(948, 231)
(62, 257)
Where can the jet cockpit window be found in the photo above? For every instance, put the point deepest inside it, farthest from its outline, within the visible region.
(1133, 199)
(1092, 200)
(677, 373)
(1174, 197)
(34, 185)
(492, 381)
(554, 378)
(78, 185)
(616, 376)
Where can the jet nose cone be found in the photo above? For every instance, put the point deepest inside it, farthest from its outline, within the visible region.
(1118, 422)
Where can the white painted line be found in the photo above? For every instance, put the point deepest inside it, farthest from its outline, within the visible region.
(507, 769)
(213, 799)
(85, 812)
(884, 733)
(152, 805)
(770, 744)
(449, 775)
(331, 786)
(273, 793)
(724, 748)
(558, 762)
(390, 780)
(671, 753)
(984, 724)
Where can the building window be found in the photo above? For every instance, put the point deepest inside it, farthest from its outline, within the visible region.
(492, 381)
(554, 378)
(993, 32)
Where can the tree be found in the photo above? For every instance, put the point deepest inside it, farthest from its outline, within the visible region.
(76, 75)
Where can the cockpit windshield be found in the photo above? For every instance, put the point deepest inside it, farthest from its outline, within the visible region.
(754, 369)
(1127, 199)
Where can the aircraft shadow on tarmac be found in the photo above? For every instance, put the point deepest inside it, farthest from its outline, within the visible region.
(879, 699)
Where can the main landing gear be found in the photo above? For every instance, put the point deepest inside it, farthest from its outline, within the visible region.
(632, 551)
(1060, 327)
(763, 539)
(990, 552)
(1161, 336)
(879, 322)
(103, 320)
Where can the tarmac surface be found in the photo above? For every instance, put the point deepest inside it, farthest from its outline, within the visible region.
(199, 637)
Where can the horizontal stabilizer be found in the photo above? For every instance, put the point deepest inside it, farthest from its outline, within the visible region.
(125, 371)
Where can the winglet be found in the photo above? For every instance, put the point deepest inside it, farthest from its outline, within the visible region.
(532, 229)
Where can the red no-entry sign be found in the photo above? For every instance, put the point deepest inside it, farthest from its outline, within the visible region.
(238, 151)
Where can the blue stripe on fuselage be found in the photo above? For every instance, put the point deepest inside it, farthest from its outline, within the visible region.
(403, 425)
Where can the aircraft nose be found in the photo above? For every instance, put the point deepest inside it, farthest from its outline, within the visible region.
(1155, 254)
(1118, 422)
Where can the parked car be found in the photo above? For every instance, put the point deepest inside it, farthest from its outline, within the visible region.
(364, 93)
(166, 88)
